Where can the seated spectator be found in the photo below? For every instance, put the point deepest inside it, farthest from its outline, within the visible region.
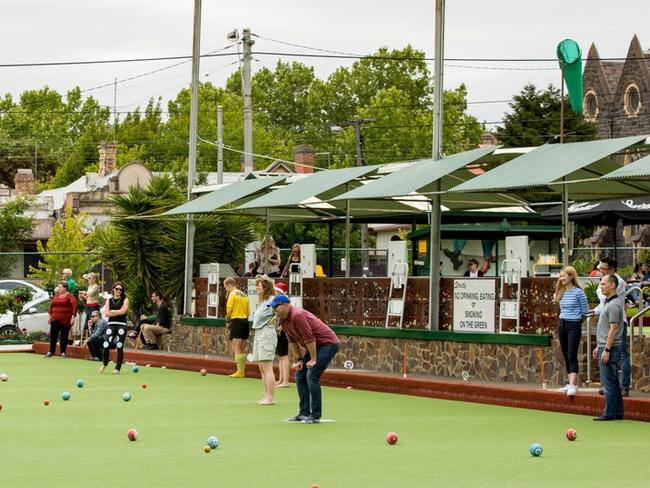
(162, 325)
(294, 258)
(636, 281)
(267, 257)
(94, 342)
(473, 271)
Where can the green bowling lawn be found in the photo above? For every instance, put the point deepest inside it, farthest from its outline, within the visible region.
(83, 442)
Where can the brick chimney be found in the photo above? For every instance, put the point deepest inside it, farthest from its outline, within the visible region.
(303, 156)
(107, 153)
(24, 182)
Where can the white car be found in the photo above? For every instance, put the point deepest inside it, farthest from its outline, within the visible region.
(33, 318)
(37, 291)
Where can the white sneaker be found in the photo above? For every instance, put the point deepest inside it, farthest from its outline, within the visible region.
(564, 389)
(572, 390)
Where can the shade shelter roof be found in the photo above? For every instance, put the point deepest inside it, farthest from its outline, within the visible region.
(319, 185)
(312, 194)
(238, 191)
(638, 169)
(581, 163)
(415, 180)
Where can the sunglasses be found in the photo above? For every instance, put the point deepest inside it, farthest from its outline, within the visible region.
(118, 289)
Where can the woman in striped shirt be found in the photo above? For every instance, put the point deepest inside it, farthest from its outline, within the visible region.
(573, 310)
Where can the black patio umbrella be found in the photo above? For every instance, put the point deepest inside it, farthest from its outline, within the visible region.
(630, 211)
(607, 212)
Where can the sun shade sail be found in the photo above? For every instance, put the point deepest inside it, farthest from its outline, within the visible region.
(550, 163)
(414, 177)
(315, 185)
(230, 194)
(637, 169)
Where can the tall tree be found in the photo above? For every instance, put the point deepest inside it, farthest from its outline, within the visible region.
(148, 253)
(535, 119)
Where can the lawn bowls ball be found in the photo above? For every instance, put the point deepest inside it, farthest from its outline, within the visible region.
(132, 435)
(65, 396)
(126, 396)
(571, 434)
(135, 369)
(213, 442)
(4, 377)
(80, 383)
(392, 438)
(536, 449)
(204, 372)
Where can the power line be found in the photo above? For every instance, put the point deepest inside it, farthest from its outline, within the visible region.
(290, 54)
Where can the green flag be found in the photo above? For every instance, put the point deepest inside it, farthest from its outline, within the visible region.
(570, 58)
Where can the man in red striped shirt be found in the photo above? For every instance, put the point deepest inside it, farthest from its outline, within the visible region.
(313, 345)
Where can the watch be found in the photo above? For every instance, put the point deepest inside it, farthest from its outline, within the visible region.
(607, 349)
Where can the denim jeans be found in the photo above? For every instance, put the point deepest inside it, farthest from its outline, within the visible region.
(610, 382)
(625, 360)
(308, 380)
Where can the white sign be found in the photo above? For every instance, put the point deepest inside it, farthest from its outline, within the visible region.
(474, 305)
(509, 309)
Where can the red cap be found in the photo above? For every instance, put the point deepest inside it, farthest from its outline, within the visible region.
(281, 287)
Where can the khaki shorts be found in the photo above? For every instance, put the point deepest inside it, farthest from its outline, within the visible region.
(264, 343)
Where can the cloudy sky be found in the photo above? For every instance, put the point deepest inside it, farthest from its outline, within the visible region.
(34, 31)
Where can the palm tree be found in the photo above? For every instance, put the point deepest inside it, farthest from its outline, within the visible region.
(147, 252)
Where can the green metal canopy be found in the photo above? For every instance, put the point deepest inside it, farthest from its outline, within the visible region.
(311, 196)
(415, 177)
(582, 163)
(407, 184)
(230, 194)
(319, 185)
(637, 169)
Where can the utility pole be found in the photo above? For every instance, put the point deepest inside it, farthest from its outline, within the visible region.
(247, 44)
(219, 144)
(36, 160)
(191, 170)
(115, 112)
(434, 238)
(357, 122)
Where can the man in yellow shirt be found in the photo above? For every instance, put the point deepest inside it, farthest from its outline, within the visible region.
(237, 312)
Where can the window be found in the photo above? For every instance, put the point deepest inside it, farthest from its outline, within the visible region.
(591, 105)
(632, 100)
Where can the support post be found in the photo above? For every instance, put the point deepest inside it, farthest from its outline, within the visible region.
(434, 241)
(194, 112)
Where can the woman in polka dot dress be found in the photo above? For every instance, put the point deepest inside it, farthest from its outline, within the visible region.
(115, 310)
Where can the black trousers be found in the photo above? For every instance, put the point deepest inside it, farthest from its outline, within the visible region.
(569, 332)
(56, 329)
(114, 339)
(95, 347)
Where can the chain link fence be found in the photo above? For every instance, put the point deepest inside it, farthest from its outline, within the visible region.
(39, 273)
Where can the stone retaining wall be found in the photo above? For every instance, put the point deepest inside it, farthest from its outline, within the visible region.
(505, 363)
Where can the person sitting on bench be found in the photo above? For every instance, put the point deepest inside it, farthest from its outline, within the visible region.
(162, 326)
